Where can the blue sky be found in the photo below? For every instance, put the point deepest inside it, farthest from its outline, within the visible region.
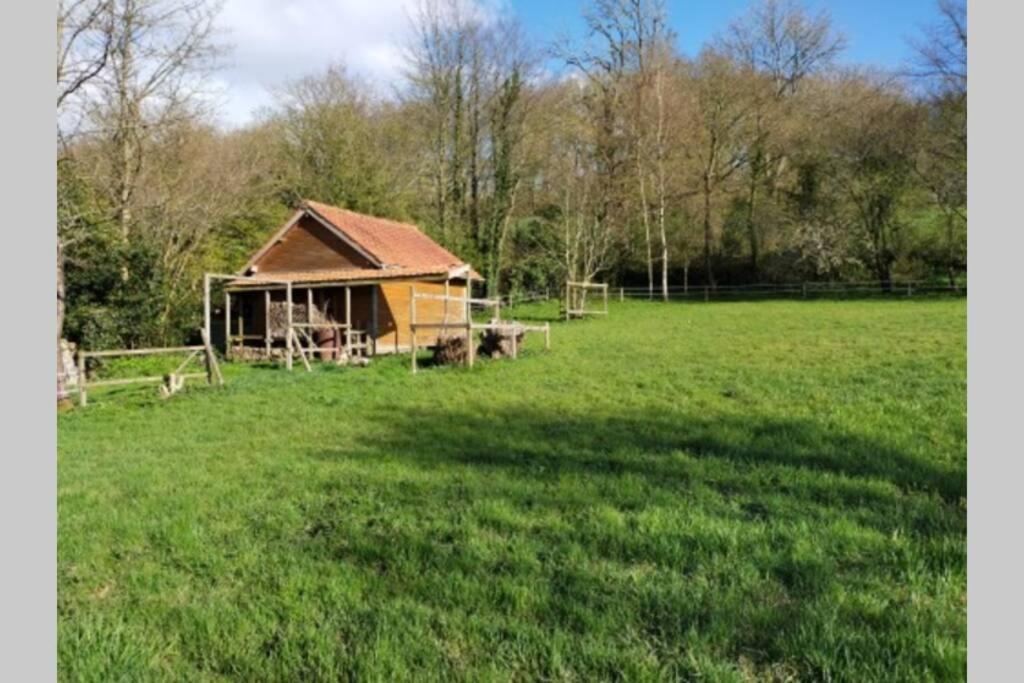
(274, 41)
(876, 30)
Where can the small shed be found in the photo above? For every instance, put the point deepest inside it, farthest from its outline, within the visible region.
(349, 270)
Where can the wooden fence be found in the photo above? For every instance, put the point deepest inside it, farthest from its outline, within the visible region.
(172, 381)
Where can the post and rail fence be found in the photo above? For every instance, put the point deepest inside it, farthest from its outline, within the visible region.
(794, 290)
(172, 381)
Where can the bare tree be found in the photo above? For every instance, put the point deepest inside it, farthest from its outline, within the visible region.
(941, 55)
(469, 78)
(721, 110)
(624, 62)
(941, 66)
(148, 95)
(83, 47)
(443, 74)
(605, 63)
(507, 109)
(781, 39)
(159, 53)
(781, 42)
(872, 141)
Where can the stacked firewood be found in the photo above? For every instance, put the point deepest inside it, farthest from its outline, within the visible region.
(451, 350)
(279, 316)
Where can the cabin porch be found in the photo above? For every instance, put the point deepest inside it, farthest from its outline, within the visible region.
(336, 320)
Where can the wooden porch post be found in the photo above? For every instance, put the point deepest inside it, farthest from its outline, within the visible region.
(469, 321)
(82, 400)
(227, 324)
(309, 316)
(348, 321)
(374, 329)
(206, 304)
(288, 334)
(266, 321)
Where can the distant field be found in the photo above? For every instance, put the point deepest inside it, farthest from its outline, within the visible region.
(723, 491)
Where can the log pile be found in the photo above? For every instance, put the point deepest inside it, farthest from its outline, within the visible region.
(451, 350)
(498, 343)
(279, 317)
(255, 353)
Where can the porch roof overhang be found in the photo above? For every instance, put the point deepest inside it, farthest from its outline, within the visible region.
(351, 276)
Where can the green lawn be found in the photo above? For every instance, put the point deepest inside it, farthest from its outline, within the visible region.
(745, 491)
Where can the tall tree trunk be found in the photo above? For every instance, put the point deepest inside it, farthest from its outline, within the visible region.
(664, 252)
(455, 168)
(128, 123)
(645, 212)
(439, 177)
(752, 226)
(63, 400)
(660, 140)
(499, 252)
(474, 149)
(951, 246)
(708, 271)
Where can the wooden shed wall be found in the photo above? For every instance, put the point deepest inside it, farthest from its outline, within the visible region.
(310, 246)
(393, 312)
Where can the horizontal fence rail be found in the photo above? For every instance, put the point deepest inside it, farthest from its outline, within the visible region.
(174, 379)
(758, 290)
(906, 288)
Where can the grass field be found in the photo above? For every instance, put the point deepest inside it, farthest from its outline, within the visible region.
(748, 491)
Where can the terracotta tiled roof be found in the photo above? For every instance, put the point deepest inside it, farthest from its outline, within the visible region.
(390, 242)
(401, 249)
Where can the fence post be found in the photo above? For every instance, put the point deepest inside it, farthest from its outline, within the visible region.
(227, 325)
(206, 304)
(81, 379)
(705, 293)
(289, 336)
(622, 293)
(803, 289)
(910, 289)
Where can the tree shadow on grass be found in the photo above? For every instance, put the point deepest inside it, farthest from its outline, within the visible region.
(527, 498)
(540, 445)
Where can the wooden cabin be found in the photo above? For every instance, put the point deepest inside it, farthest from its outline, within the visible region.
(347, 269)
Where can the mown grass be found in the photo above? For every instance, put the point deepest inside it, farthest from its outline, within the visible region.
(749, 491)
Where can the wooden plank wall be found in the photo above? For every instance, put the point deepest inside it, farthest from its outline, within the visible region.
(394, 313)
(310, 246)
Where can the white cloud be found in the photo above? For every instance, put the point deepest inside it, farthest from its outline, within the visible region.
(273, 41)
(277, 40)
